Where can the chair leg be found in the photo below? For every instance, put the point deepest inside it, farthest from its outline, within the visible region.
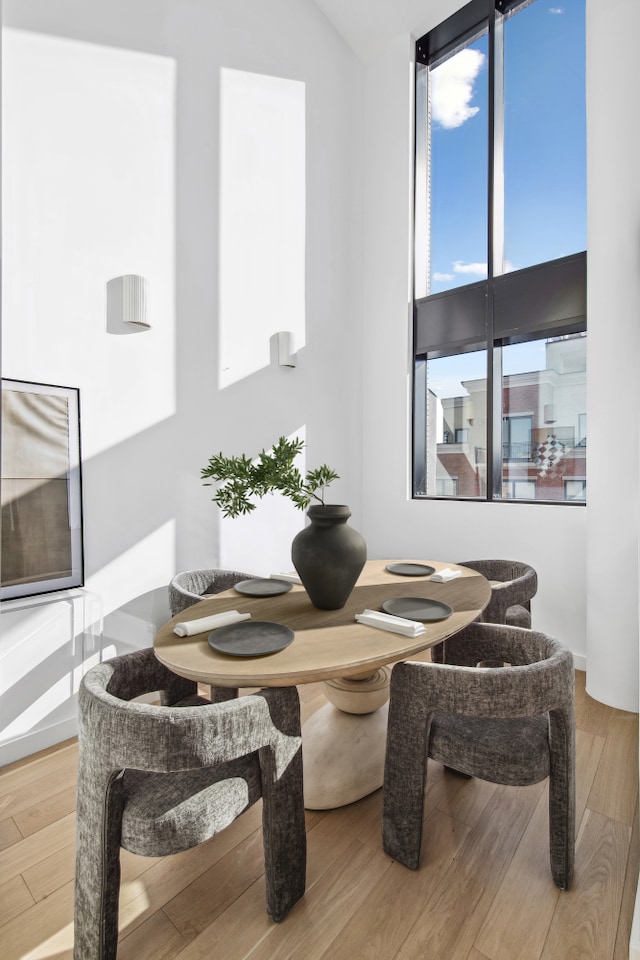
(562, 798)
(283, 822)
(97, 879)
(405, 772)
(285, 841)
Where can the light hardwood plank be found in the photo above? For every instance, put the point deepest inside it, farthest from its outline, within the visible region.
(333, 835)
(155, 939)
(42, 932)
(52, 765)
(52, 872)
(380, 926)
(47, 810)
(469, 801)
(141, 897)
(447, 930)
(591, 715)
(198, 905)
(327, 909)
(9, 834)
(589, 751)
(14, 899)
(488, 891)
(527, 888)
(244, 930)
(234, 933)
(26, 793)
(585, 920)
(36, 848)
(615, 786)
(627, 905)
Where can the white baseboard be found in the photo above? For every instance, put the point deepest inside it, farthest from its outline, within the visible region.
(580, 662)
(37, 740)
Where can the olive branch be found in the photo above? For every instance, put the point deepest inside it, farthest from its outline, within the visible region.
(242, 478)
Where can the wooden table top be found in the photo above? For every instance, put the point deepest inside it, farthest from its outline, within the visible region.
(328, 643)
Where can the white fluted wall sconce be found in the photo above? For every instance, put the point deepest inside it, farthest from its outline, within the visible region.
(134, 301)
(127, 304)
(286, 358)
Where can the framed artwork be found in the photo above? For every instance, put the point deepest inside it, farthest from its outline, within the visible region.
(41, 490)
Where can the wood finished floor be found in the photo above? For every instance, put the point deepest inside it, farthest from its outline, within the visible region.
(483, 891)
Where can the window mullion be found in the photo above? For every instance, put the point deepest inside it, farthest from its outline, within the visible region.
(496, 250)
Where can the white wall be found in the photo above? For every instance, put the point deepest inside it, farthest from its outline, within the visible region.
(561, 542)
(112, 165)
(613, 161)
(153, 410)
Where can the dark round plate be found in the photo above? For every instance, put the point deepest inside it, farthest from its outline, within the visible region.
(262, 588)
(417, 608)
(410, 569)
(251, 638)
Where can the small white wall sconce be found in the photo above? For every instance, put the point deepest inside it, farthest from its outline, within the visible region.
(285, 357)
(134, 301)
(127, 304)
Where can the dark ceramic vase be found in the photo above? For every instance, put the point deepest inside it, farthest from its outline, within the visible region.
(328, 556)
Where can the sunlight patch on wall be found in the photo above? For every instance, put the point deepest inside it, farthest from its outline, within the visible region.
(148, 563)
(262, 219)
(89, 194)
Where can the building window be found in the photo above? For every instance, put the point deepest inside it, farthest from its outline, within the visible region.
(519, 489)
(575, 489)
(447, 486)
(500, 267)
(516, 436)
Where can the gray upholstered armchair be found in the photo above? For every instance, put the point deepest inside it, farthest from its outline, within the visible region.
(190, 586)
(513, 725)
(513, 584)
(157, 780)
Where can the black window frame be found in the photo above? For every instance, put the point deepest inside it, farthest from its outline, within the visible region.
(546, 299)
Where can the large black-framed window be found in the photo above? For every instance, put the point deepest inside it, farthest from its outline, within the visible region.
(500, 264)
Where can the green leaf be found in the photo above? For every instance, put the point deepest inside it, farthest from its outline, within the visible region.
(273, 471)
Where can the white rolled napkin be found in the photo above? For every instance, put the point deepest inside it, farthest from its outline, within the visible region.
(386, 621)
(288, 577)
(447, 574)
(189, 627)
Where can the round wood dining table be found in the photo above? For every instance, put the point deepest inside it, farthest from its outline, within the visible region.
(343, 745)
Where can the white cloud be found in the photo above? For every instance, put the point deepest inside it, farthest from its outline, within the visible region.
(479, 269)
(556, 10)
(452, 88)
(442, 276)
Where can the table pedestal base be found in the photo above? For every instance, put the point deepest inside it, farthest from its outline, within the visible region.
(343, 749)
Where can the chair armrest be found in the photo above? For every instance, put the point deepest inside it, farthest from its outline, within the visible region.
(171, 739)
(523, 691)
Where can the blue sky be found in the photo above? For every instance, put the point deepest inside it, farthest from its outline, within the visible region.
(545, 163)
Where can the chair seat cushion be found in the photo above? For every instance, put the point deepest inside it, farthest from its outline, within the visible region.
(514, 752)
(166, 813)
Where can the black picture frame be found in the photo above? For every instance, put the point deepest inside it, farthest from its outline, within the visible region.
(42, 523)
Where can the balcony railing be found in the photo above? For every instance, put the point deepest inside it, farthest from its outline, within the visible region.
(517, 451)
